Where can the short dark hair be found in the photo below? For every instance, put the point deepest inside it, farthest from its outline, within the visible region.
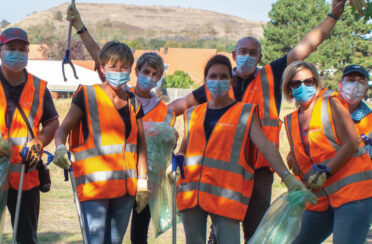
(218, 59)
(116, 51)
(153, 60)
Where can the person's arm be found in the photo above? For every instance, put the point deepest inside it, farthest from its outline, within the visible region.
(73, 15)
(346, 133)
(73, 116)
(180, 105)
(47, 132)
(142, 150)
(267, 148)
(315, 37)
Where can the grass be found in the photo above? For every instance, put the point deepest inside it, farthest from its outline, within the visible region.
(58, 221)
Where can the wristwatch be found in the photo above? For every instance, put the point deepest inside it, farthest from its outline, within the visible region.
(82, 30)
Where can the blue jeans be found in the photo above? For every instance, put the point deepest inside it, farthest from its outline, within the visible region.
(106, 220)
(195, 225)
(349, 223)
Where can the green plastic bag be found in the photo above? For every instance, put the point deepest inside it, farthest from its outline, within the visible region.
(282, 221)
(160, 139)
(4, 185)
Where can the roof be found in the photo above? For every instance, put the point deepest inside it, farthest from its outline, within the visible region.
(51, 71)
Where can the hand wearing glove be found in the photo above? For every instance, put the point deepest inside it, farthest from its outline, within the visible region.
(169, 173)
(73, 15)
(295, 185)
(5, 149)
(35, 151)
(61, 157)
(142, 196)
(317, 180)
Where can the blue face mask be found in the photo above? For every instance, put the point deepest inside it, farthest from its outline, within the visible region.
(14, 60)
(218, 87)
(117, 79)
(303, 93)
(145, 82)
(246, 63)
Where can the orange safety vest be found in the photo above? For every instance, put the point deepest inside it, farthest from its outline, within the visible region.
(31, 101)
(106, 162)
(218, 176)
(160, 113)
(364, 126)
(261, 91)
(350, 183)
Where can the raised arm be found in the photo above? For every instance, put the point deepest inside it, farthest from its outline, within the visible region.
(316, 36)
(180, 105)
(73, 15)
(346, 133)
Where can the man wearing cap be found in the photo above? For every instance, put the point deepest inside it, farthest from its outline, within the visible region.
(353, 87)
(24, 97)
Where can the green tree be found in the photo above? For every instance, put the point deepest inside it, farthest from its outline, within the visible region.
(4, 23)
(292, 20)
(179, 79)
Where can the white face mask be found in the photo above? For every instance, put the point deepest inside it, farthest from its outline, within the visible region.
(352, 91)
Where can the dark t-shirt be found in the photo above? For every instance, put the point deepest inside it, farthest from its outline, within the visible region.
(13, 94)
(78, 100)
(212, 117)
(278, 66)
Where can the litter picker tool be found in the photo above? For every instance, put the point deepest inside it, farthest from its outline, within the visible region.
(177, 161)
(23, 154)
(67, 59)
(76, 199)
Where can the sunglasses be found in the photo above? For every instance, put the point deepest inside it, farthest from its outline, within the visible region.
(297, 83)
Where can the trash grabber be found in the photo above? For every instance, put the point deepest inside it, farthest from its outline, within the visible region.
(76, 199)
(23, 154)
(66, 59)
(177, 161)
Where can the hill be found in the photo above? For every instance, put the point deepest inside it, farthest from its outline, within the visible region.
(128, 22)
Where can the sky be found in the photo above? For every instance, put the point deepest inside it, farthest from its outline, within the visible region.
(257, 10)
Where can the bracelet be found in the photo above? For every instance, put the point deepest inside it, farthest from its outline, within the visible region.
(332, 16)
(143, 177)
(82, 30)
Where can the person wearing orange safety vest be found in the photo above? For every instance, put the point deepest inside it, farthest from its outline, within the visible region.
(262, 86)
(24, 97)
(107, 139)
(149, 71)
(329, 158)
(219, 147)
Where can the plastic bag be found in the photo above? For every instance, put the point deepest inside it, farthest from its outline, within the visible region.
(160, 139)
(4, 186)
(282, 221)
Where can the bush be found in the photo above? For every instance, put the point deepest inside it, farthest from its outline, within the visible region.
(179, 79)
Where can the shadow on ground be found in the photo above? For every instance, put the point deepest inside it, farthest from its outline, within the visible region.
(45, 237)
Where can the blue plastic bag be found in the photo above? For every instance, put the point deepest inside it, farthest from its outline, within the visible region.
(282, 221)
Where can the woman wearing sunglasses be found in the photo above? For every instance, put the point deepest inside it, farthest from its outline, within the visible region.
(329, 158)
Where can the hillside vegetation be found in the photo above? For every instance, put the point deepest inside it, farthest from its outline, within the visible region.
(130, 22)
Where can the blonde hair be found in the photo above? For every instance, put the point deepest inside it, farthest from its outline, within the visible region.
(116, 51)
(153, 60)
(291, 70)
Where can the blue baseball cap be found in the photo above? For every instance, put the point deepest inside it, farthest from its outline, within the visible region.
(12, 34)
(355, 68)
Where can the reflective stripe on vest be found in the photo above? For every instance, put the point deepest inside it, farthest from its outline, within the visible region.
(113, 172)
(342, 187)
(235, 191)
(214, 190)
(31, 101)
(266, 120)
